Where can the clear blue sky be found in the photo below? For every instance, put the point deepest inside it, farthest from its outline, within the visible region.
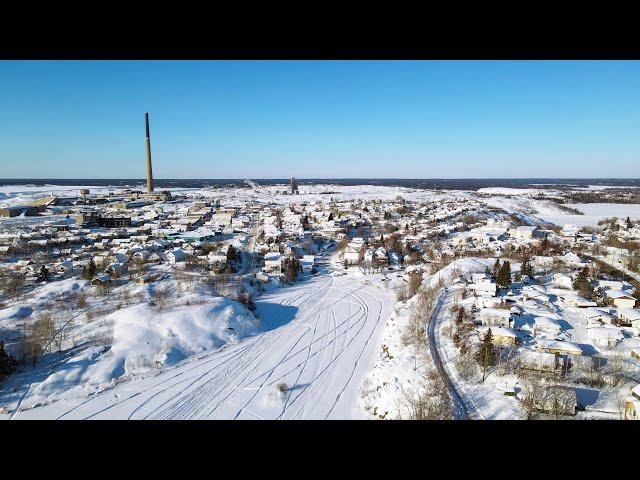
(268, 119)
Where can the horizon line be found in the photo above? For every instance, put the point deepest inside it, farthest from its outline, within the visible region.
(323, 178)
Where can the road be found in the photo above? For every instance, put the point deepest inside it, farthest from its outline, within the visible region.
(320, 339)
(459, 408)
(612, 270)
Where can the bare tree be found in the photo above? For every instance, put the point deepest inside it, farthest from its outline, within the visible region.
(36, 338)
(415, 334)
(532, 392)
(558, 400)
(618, 368)
(430, 401)
(13, 286)
(466, 366)
(415, 280)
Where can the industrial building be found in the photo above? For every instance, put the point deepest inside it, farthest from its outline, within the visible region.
(16, 211)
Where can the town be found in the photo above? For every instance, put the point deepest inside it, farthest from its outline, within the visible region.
(487, 304)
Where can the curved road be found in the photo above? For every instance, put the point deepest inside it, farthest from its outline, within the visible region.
(459, 408)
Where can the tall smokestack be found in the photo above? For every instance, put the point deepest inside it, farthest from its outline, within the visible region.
(149, 171)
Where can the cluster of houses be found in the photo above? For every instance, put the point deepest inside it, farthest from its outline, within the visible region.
(119, 236)
(552, 327)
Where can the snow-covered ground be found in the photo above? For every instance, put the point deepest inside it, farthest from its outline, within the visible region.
(593, 212)
(527, 192)
(320, 340)
(328, 347)
(11, 195)
(397, 370)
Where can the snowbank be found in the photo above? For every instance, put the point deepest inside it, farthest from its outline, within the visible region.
(143, 340)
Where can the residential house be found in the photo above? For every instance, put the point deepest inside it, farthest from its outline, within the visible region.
(176, 255)
(307, 262)
(523, 232)
(272, 263)
(484, 288)
(500, 335)
(496, 317)
(539, 361)
(607, 337)
(620, 298)
(629, 317)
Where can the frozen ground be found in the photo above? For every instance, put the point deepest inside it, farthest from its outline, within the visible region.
(306, 357)
(11, 195)
(320, 340)
(593, 212)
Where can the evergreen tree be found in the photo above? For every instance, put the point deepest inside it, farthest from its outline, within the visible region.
(486, 354)
(90, 271)
(496, 268)
(503, 279)
(232, 254)
(292, 269)
(527, 268)
(629, 224)
(6, 362)
(43, 275)
(599, 297)
(544, 245)
(582, 283)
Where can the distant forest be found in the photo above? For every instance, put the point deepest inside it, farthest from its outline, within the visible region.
(432, 183)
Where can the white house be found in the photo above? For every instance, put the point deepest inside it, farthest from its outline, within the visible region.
(546, 326)
(351, 255)
(495, 317)
(572, 300)
(605, 336)
(484, 288)
(523, 232)
(570, 230)
(594, 316)
(537, 361)
(500, 335)
(559, 347)
(620, 298)
(629, 316)
(272, 263)
(175, 255)
(307, 262)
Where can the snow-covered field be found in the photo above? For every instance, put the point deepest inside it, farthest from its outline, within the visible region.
(320, 340)
(593, 212)
(526, 192)
(11, 195)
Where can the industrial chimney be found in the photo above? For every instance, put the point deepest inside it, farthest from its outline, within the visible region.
(149, 171)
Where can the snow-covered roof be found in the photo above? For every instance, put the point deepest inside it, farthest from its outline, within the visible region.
(499, 331)
(630, 313)
(568, 347)
(617, 294)
(495, 312)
